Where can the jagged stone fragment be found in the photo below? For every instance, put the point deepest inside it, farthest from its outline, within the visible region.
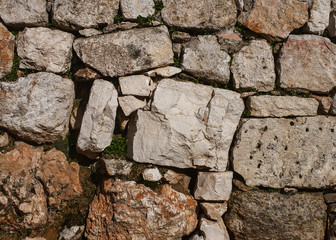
(130, 104)
(7, 42)
(213, 230)
(214, 211)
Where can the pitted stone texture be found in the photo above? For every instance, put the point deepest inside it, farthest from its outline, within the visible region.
(281, 106)
(99, 119)
(282, 153)
(127, 210)
(24, 13)
(79, 14)
(44, 49)
(263, 216)
(213, 230)
(37, 107)
(308, 62)
(30, 178)
(126, 52)
(319, 16)
(275, 19)
(203, 14)
(189, 126)
(213, 186)
(117, 166)
(130, 104)
(253, 67)
(204, 59)
(7, 41)
(131, 9)
(214, 211)
(138, 85)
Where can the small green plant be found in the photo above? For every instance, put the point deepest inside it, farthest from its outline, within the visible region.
(277, 85)
(214, 84)
(272, 43)
(69, 74)
(158, 6)
(118, 19)
(274, 190)
(293, 93)
(206, 32)
(244, 31)
(177, 62)
(118, 147)
(12, 76)
(171, 30)
(148, 21)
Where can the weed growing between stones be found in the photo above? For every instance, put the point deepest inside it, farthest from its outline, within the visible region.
(244, 31)
(148, 21)
(177, 62)
(117, 147)
(13, 76)
(118, 19)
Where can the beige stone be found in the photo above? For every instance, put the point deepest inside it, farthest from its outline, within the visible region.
(214, 211)
(130, 104)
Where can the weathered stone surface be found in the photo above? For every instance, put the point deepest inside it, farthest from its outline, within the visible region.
(308, 62)
(132, 211)
(213, 186)
(86, 74)
(189, 126)
(203, 58)
(253, 67)
(213, 14)
(319, 16)
(213, 230)
(130, 104)
(180, 37)
(23, 13)
(89, 32)
(117, 166)
(325, 103)
(73, 233)
(175, 178)
(282, 153)
(44, 49)
(30, 179)
(281, 106)
(126, 52)
(7, 41)
(332, 21)
(151, 174)
(330, 197)
(37, 107)
(138, 85)
(99, 119)
(263, 215)
(4, 140)
(275, 19)
(131, 9)
(79, 14)
(165, 72)
(333, 107)
(214, 211)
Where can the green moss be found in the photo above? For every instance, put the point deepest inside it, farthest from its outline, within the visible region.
(148, 21)
(118, 19)
(117, 147)
(158, 6)
(177, 62)
(244, 31)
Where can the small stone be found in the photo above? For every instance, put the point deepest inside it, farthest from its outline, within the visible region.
(35, 238)
(281, 106)
(253, 67)
(22, 13)
(7, 42)
(73, 233)
(122, 120)
(319, 16)
(165, 72)
(203, 59)
(131, 9)
(138, 85)
(214, 211)
(117, 166)
(213, 186)
(241, 185)
(290, 190)
(173, 177)
(151, 174)
(196, 237)
(89, 32)
(130, 104)
(44, 49)
(177, 49)
(80, 14)
(325, 103)
(86, 74)
(4, 140)
(230, 41)
(330, 197)
(275, 19)
(180, 37)
(213, 230)
(99, 119)
(120, 26)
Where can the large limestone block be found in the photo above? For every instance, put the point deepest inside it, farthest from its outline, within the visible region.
(202, 14)
(264, 215)
(44, 49)
(275, 19)
(319, 16)
(7, 41)
(37, 107)
(189, 126)
(204, 59)
(131, 9)
(24, 13)
(132, 211)
(282, 153)
(308, 62)
(99, 119)
(253, 67)
(126, 52)
(79, 14)
(281, 106)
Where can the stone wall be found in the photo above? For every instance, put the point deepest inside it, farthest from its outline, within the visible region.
(129, 119)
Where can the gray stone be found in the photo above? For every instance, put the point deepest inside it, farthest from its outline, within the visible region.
(99, 119)
(196, 237)
(4, 140)
(44, 49)
(213, 186)
(206, 14)
(151, 174)
(213, 230)
(80, 14)
(203, 58)
(126, 52)
(23, 13)
(253, 67)
(73, 233)
(214, 211)
(89, 32)
(308, 62)
(263, 216)
(165, 72)
(117, 166)
(130, 104)
(281, 106)
(280, 153)
(37, 107)
(138, 85)
(319, 16)
(275, 19)
(7, 43)
(189, 126)
(131, 9)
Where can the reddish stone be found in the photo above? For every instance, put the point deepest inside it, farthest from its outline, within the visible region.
(6, 51)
